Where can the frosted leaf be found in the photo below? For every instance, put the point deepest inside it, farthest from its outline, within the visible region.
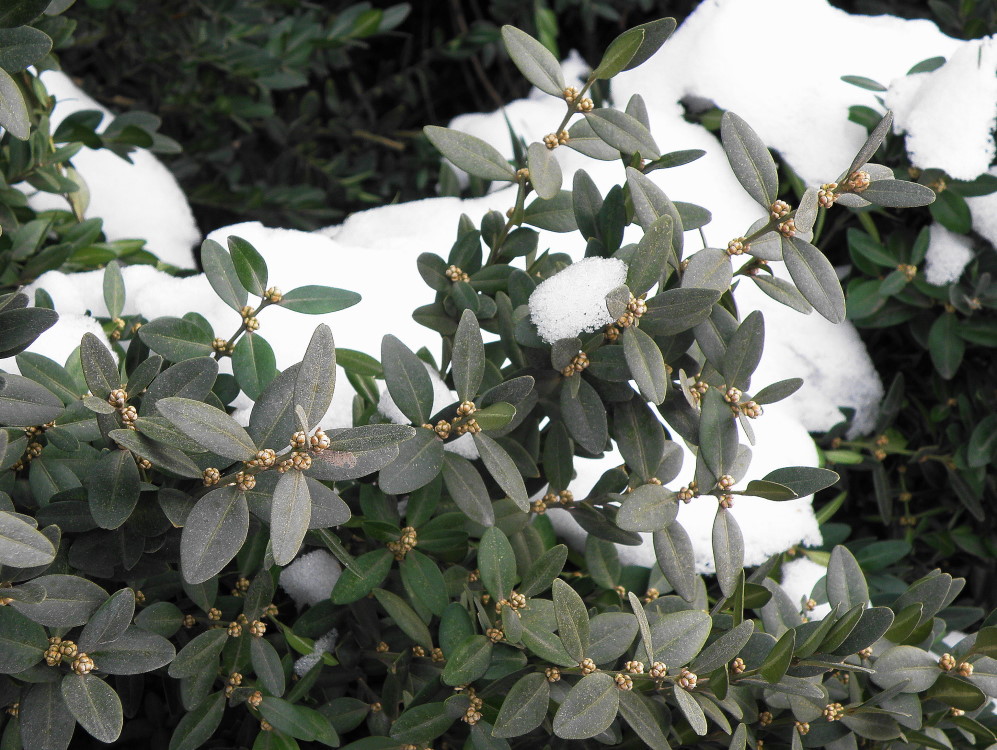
(323, 645)
(573, 301)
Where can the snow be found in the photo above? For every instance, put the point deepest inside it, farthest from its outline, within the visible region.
(323, 645)
(950, 117)
(948, 254)
(984, 211)
(309, 579)
(573, 300)
(141, 200)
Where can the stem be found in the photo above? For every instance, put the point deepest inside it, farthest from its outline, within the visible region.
(265, 303)
(573, 107)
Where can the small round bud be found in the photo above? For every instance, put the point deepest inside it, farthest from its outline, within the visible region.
(539, 507)
(375, 707)
(214, 614)
(732, 395)
(725, 482)
(495, 634)
(437, 655)
(82, 664)
(67, 649)
(634, 667)
(143, 463)
(265, 726)
(687, 680)
(834, 711)
(827, 196)
(299, 440)
(965, 669)
(381, 647)
(219, 345)
(235, 679)
(553, 674)
(523, 175)
(956, 712)
(234, 630)
(257, 628)
(418, 651)
(53, 657)
(751, 410)
(779, 209)
(189, 621)
(858, 181)
(563, 137)
(245, 481)
(211, 476)
(285, 466)
(736, 246)
(465, 408)
(908, 271)
(787, 228)
(550, 141)
(454, 273)
(685, 495)
(727, 501)
(587, 666)
(624, 681)
(118, 398)
(764, 718)
(651, 594)
(301, 461)
(570, 93)
(737, 666)
(255, 699)
(865, 653)
(266, 457)
(517, 600)
(274, 295)
(565, 497)
(586, 105)
(319, 441)
(802, 727)
(658, 670)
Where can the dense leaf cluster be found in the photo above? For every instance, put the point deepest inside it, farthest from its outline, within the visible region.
(143, 529)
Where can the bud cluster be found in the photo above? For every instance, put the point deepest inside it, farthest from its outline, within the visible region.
(454, 273)
(578, 363)
(405, 544)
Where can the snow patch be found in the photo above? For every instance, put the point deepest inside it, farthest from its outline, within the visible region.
(948, 255)
(309, 579)
(573, 300)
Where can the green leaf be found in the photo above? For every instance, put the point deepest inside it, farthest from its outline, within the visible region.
(778, 391)
(814, 276)
(469, 661)
(673, 551)
(94, 705)
(864, 83)
(944, 345)
(744, 351)
(253, 364)
(777, 662)
(22, 47)
(374, 567)
(318, 300)
(679, 636)
(717, 436)
(497, 563)
(22, 642)
(957, 693)
(99, 369)
(21, 544)
(290, 515)
(503, 470)
(407, 379)
(646, 719)
(471, 154)
(619, 53)
(768, 490)
(588, 709)
(161, 618)
(20, 327)
(250, 266)
(220, 270)
(215, 531)
(534, 61)
(655, 34)
(610, 633)
(691, 710)
(423, 579)
(197, 726)
(554, 215)
(901, 663)
(876, 137)
(952, 212)
(13, 110)
(69, 601)
(649, 507)
(266, 664)
(524, 708)
(677, 310)
(541, 574)
(176, 339)
(846, 586)
(572, 619)
(113, 488)
(49, 374)
(468, 357)
(422, 723)
(21, 12)
(728, 550)
(212, 428)
(44, 715)
(645, 628)
(803, 480)
(545, 171)
(114, 289)
(108, 623)
(404, 617)
(584, 415)
(646, 364)
(161, 456)
(419, 462)
(750, 160)
(315, 381)
(622, 132)
(467, 490)
(653, 251)
(898, 194)
(199, 654)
